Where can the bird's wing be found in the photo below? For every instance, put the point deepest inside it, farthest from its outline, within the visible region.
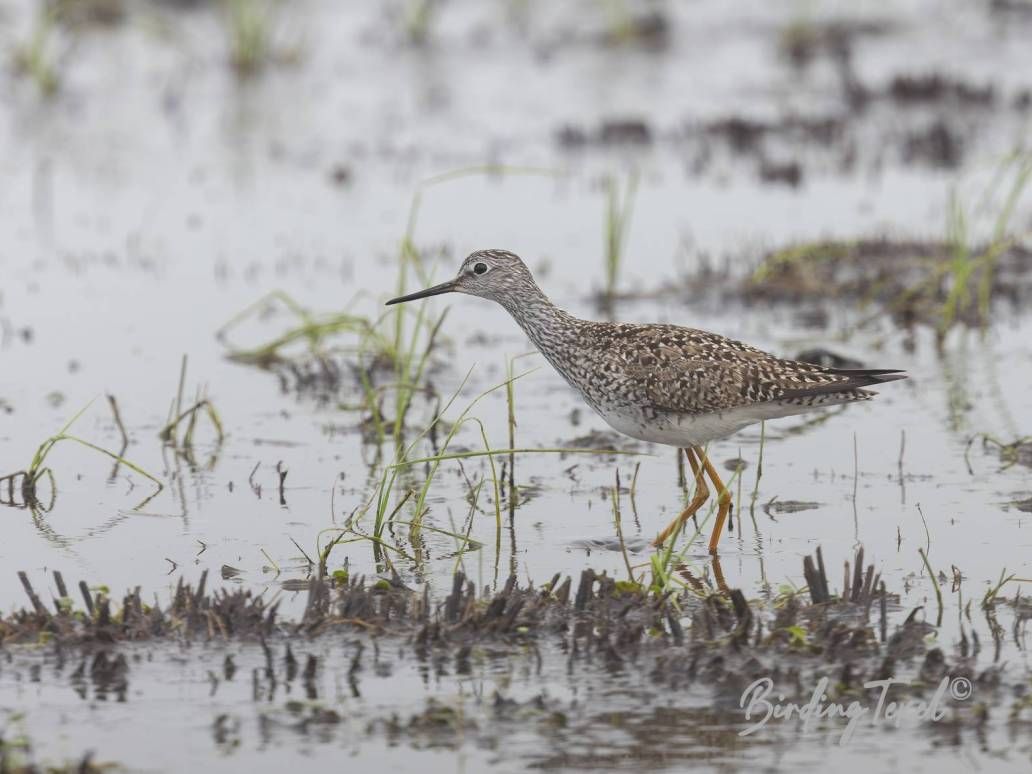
(691, 371)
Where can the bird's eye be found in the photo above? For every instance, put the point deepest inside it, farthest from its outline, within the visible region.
(480, 268)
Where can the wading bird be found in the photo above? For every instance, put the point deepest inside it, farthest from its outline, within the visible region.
(661, 383)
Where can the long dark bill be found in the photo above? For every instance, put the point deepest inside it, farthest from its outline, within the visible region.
(436, 290)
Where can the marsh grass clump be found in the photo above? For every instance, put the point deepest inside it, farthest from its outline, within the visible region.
(401, 486)
(310, 334)
(628, 26)
(170, 432)
(247, 26)
(391, 493)
(23, 487)
(937, 283)
(39, 57)
(191, 612)
(418, 19)
(18, 756)
(605, 616)
(972, 270)
(181, 416)
(387, 358)
(249, 30)
(619, 209)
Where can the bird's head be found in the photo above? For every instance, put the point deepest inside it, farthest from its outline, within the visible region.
(493, 274)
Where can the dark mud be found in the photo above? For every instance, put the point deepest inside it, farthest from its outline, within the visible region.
(911, 283)
(932, 120)
(704, 642)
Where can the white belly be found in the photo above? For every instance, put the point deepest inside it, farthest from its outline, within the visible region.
(684, 430)
(677, 429)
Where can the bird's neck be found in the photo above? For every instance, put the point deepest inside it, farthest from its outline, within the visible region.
(545, 323)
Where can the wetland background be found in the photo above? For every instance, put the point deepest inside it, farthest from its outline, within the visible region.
(830, 179)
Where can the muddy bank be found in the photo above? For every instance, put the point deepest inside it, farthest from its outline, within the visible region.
(911, 282)
(656, 664)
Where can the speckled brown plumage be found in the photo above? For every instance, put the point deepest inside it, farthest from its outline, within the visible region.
(671, 368)
(662, 383)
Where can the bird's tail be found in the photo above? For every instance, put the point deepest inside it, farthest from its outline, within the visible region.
(852, 379)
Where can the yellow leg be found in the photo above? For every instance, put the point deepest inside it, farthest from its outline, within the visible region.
(718, 574)
(724, 500)
(700, 496)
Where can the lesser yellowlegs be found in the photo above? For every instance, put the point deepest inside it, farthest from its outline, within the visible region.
(661, 383)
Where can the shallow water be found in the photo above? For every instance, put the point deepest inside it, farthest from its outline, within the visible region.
(155, 196)
(548, 718)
